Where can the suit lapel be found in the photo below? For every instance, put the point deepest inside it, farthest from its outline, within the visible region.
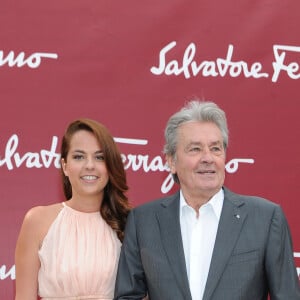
(231, 221)
(168, 219)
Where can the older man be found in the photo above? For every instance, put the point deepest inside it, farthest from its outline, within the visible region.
(205, 242)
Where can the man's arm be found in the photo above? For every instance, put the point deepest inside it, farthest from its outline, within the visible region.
(131, 281)
(280, 265)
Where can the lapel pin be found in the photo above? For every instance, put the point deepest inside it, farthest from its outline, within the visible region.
(237, 216)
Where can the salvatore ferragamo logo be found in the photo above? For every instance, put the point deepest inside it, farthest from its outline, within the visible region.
(45, 158)
(187, 65)
(20, 60)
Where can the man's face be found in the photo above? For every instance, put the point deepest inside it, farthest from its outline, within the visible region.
(199, 160)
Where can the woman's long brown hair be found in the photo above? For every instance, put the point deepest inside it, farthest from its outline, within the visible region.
(115, 205)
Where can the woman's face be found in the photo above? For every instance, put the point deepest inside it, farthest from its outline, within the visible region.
(85, 166)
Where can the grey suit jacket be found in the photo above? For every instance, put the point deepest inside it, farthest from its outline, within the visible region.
(252, 256)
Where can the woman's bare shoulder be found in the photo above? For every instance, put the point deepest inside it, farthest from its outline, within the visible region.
(39, 218)
(40, 213)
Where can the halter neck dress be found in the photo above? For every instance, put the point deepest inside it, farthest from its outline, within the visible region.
(79, 257)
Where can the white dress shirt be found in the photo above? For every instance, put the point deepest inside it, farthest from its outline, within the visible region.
(198, 237)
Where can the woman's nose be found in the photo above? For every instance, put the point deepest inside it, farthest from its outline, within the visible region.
(90, 163)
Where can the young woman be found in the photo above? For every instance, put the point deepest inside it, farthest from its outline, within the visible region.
(70, 250)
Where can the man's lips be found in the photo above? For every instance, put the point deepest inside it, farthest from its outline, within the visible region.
(206, 172)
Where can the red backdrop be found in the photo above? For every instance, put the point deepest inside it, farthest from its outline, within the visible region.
(130, 65)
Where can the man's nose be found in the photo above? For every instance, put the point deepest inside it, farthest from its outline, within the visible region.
(206, 155)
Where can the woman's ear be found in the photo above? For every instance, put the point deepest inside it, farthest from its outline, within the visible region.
(64, 166)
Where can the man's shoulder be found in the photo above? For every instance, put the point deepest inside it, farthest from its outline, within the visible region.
(157, 203)
(250, 200)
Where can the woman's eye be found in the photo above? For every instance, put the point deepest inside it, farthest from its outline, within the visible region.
(100, 157)
(77, 156)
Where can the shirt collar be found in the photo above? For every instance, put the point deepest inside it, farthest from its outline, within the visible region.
(216, 202)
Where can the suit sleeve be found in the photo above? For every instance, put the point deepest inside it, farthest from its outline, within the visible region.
(280, 265)
(130, 281)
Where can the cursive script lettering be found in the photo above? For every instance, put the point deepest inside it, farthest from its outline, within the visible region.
(136, 162)
(32, 61)
(292, 69)
(10, 273)
(31, 159)
(219, 67)
(233, 165)
(226, 66)
(139, 161)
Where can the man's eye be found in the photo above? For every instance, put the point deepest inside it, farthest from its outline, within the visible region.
(217, 150)
(195, 149)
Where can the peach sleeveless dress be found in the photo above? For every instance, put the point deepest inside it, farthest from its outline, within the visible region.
(79, 257)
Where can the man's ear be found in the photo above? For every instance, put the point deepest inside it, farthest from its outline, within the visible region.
(171, 163)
